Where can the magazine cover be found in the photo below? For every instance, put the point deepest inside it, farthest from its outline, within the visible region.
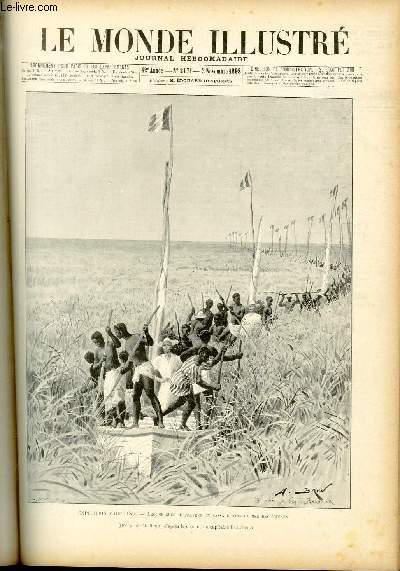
(203, 214)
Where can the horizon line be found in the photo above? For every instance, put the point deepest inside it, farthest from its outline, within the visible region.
(172, 241)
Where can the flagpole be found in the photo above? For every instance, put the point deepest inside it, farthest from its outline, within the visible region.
(348, 223)
(327, 263)
(256, 267)
(171, 145)
(308, 239)
(324, 221)
(286, 237)
(272, 228)
(294, 233)
(340, 234)
(252, 216)
(161, 289)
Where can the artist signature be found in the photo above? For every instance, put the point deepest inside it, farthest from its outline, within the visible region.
(292, 496)
(305, 491)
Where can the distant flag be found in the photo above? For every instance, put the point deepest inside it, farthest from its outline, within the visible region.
(161, 121)
(245, 183)
(333, 193)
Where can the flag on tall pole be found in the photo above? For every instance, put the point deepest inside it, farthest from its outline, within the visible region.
(348, 221)
(339, 215)
(327, 263)
(272, 228)
(322, 219)
(256, 267)
(247, 184)
(279, 239)
(293, 223)
(310, 221)
(286, 228)
(163, 122)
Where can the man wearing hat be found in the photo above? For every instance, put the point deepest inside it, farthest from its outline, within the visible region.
(197, 327)
(165, 366)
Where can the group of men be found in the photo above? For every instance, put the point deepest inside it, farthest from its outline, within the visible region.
(309, 300)
(179, 375)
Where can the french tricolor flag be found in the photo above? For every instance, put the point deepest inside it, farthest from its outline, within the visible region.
(161, 121)
(245, 183)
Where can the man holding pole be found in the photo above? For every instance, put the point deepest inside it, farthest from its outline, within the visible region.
(143, 377)
(105, 360)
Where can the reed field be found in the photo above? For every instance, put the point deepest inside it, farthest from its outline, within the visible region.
(280, 427)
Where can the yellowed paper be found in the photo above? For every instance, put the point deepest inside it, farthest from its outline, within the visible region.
(8, 441)
(309, 474)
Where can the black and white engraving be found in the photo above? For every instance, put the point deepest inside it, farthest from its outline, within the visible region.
(189, 279)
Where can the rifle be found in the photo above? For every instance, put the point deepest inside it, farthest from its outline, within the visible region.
(150, 319)
(191, 302)
(222, 299)
(229, 294)
(177, 324)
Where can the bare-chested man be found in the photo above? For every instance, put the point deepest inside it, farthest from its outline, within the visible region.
(184, 342)
(268, 311)
(105, 361)
(288, 302)
(237, 309)
(143, 378)
(208, 314)
(220, 319)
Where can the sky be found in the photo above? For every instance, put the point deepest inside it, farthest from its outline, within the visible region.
(94, 171)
